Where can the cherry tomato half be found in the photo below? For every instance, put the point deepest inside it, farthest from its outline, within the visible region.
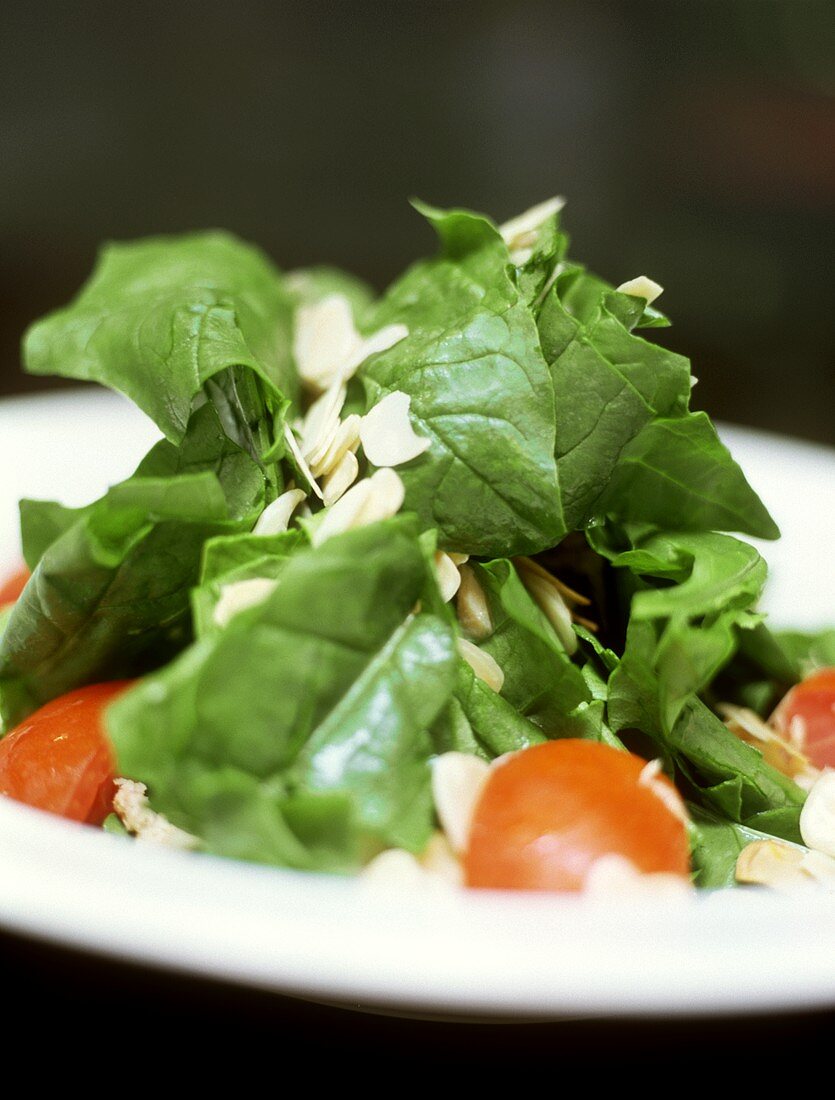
(549, 811)
(806, 717)
(59, 758)
(11, 588)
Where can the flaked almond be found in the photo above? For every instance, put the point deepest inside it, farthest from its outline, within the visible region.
(239, 595)
(346, 438)
(472, 606)
(771, 863)
(520, 233)
(276, 516)
(447, 575)
(344, 514)
(457, 558)
(642, 287)
(528, 565)
(554, 608)
(780, 752)
(616, 875)
(486, 668)
(130, 803)
(300, 461)
(324, 337)
(392, 869)
(372, 499)
(321, 423)
(386, 432)
(458, 779)
(817, 818)
(387, 495)
(439, 860)
(650, 778)
(341, 478)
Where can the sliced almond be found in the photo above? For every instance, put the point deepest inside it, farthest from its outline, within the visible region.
(386, 499)
(276, 516)
(448, 577)
(239, 595)
(346, 438)
(439, 860)
(343, 515)
(458, 779)
(616, 875)
(486, 668)
(520, 233)
(130, 803)
(386, 432)
(572, 598)
(651, 778)
(340, 478)
(457, 558)
(554, 608)
(817, 818)
(472, 606)
(300, 460)
(372, 499)
(394, 868)
(321, 422)
(642, 287)
(324, 338)
(771, 863)
(782, 753)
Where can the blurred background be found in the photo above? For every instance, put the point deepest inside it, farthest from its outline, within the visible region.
(694, 139)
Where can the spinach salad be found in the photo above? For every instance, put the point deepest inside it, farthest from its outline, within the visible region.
(385, 542)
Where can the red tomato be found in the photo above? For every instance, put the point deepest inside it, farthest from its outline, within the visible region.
(11, 588)
(59, 758)
(806, 717)
(548, 812)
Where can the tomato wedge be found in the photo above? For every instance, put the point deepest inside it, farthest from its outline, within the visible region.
(60, 759)
(806, 717)
(548, 812)
(11, 588)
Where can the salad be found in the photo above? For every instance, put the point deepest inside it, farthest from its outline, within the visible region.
(442, 586)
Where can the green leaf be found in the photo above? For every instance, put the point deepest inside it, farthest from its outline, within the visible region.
(541, 681)
(681, 634)
(161, 316)
(480, 391)
(626, 446)
(214, 734)
(110, 595)
(375, 744)
(676, 473)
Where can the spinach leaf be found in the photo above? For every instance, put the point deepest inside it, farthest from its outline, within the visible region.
(479, 389)
(541, 681)
(676, 473)
(321, 668)
(728, 774)
(160, 317)
(375, 744)
(682, 633)
(111, 593)
(626, 445)
(715, 846)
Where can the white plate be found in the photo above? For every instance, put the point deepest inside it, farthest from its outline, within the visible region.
(329, 939)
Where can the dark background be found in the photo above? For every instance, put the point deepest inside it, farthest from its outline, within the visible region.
(695, 141)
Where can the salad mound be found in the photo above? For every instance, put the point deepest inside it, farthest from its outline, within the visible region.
(389, 548)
